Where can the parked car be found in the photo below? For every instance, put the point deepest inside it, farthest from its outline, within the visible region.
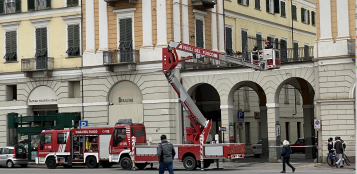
(257, 149)
(300, 142)
(10, 156)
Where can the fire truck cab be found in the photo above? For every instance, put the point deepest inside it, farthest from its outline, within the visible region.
(81, 146)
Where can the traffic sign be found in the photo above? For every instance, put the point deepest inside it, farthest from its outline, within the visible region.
(222, 128)
(317, 124)
(83, 123)
(240, 114)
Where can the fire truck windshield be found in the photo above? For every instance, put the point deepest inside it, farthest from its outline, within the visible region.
(119, 135)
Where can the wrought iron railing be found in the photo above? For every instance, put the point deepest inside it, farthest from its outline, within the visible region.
(38, 63)
(351, 43)
(297, 55)
(120, 56)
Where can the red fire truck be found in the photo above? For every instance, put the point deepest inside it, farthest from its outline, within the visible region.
(79, 146)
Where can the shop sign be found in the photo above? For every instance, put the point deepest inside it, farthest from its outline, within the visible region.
(42, 95)
(126, 98)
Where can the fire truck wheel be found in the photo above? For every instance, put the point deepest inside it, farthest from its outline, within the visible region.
(189, 163)
(51, 163)
(9, 164)
(141, 166)
(91, 162)
(125, 163)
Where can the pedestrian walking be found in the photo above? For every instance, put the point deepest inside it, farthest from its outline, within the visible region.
(286, 156)
(339, 151)
(166, 153)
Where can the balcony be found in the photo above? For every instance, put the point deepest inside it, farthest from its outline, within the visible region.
(301, 54)
(30, 65)
(112, 2)
(205, 3)
(121, 57)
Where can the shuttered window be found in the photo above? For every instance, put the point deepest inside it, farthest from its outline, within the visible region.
(308, 16)
(240, 1)
(126, 40)
(33, 5)
(283, 50)
(294, 11)
(41, 42)
(199, 33)
(73, 40)
(270, 39)
(229, 42)
(257, 4)
(72, 3)
(11, 46)
(276, 6)
(244, 36)
(313, 18)
(2, 10)
(296, 51)
(276, 43)
(259, 41)
(10, 6)
(303, 19)
(283, 9)
(306, 52)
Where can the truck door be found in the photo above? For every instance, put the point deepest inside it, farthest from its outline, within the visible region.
(45, 144)
(120, 139)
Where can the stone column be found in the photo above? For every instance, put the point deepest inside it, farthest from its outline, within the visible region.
(177, 22)
(103, 26)
(89, 53)
(161, 23)
(226, 119)
(264, 130)
(147, 24)
(273, 140)
(185, 25)
(309, 131)
(214, 28)
(220, 25)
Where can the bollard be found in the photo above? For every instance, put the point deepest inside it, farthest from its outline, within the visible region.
(133, 151)
(201, 151)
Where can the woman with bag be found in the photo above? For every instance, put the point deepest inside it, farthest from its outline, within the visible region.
(286, 156)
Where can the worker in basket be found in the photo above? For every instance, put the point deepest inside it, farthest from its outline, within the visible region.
(255, 52)
(268, 46)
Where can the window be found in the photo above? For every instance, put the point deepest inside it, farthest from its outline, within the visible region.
(72, 3)
(271, 40)
(5, 151)
(243, 2)
(0, 150)
(257, 4)
(132, 132)
(119, 135)
(286, 94)
(143, 132)
(33, 5)
(305, 16)
(246, 98)
(126, 40)
(294, 12)
(229, 42)
(298, 129)
(283, 49)
(259, 41)
(247, 132)
(41, 42)
(11, 92)
(244, 36)
(272, 6)
(276, 43)
(287, 130)
(10, 6)
(200, 36)
(283, 8)
(313, 18)
(74, 89)
(297, 96)
(296, 51)
(137, 132)
(11, 46)
(61, 138)
(73, 40)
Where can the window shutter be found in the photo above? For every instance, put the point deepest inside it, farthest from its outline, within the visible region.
(125, 33)
(303, 15)
(276, 6)
(76, 40)
(199, 33)
(38, 42)
(18, 6)
(313, 18)
(8, 44)
(1, 6)
(128, 29)
(31, 5)
(71, 3)
(240, 1)
(41, 42)
(282, 4)
(229, 46)
(70, 40)
(306, 52)
(257, 4)
(259, 41)
(296, 51)
(244, 36)
(267, 5)
(44, 41)
(247, 3)
(13, 45)
(122, 30)
(294, 12)
(308, 16)
(276, 45)
(48, 4)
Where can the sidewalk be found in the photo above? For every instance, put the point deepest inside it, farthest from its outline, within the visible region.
(325, 165)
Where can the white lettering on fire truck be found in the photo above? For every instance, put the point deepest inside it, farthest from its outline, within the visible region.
(123, 144)
(105, 131)
(48, 147)
(93, 131)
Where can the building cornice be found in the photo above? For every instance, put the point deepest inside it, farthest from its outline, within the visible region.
(10, 24)
(267, 23)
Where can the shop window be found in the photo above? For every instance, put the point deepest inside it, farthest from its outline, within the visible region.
(74, 89)
(61, 138)
(11, 92)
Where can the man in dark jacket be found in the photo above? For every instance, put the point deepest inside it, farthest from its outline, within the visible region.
(166, 153)
(339, 151)
(286, 156)
(255, 52)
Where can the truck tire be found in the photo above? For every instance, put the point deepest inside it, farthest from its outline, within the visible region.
(141, 166)
(51, 163)
(189, 163)
(106, 164)
(126, 163)
(92, 162)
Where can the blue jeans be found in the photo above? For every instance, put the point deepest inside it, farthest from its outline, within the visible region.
(163, 166)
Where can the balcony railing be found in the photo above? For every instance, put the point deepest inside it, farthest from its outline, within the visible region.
(351, 43)
(205, 3)
(120, 56)
(38, 63)
(297, 55)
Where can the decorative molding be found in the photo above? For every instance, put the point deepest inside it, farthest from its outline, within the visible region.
(84, 104)
(161, 101)
(10, 25)
(72, 18)
(336, 100)
(41, 22)
(13, 107)
(226, 107)
(272, 105)
(267, 23)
